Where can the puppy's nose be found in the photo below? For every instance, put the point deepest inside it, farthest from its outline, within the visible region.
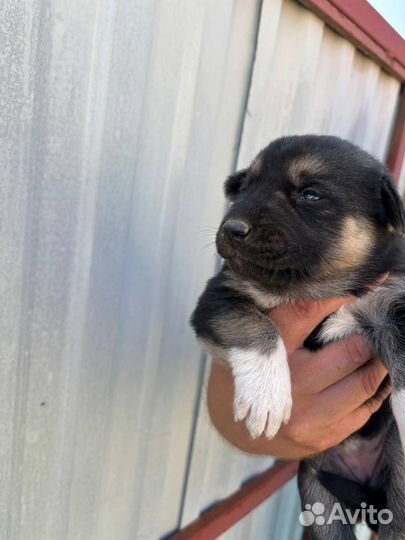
(236, 229)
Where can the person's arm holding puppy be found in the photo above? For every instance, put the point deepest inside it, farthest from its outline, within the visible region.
(333, 389)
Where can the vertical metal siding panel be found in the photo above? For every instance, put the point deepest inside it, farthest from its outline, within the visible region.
(339, 105)
(326, 114)
(185, 146)
(124, 35)
(120, 123)
(337, 99)
(401, 184)
(150, 384)
(16, 101)
(385, 108)
(52, 148)
(362, 120)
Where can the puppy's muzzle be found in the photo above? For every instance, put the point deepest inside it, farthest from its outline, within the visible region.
(231, 236)
(238, 237)
(236, 230)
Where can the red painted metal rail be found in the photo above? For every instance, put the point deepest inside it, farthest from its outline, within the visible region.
(228, 512)
(363, 26)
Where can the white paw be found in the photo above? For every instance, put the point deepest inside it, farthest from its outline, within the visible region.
(340, 325)
(262, 389)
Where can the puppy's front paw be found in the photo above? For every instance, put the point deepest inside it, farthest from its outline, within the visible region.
(339, 325)
(262, 389)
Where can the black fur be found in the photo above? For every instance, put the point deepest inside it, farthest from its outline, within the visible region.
(352, 494)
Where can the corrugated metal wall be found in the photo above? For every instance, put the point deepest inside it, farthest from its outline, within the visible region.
(119, 121)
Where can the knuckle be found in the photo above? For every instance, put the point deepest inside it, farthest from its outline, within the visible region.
(356, 350)
(296, 432)
(372, 405)
(301, 434)
(370, 380)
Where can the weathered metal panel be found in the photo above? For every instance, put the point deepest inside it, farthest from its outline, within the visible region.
(306, 79)
(119, 122)
(309, 79)
(402, 180)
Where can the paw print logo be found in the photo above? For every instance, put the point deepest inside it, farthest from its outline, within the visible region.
(312, 514)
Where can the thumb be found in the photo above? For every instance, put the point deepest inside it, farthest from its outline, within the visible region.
(297, 320)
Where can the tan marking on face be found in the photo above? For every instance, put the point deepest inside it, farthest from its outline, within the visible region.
(354, 244)
(307, 165)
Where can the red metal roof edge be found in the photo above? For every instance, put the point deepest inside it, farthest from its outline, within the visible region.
(361, 24)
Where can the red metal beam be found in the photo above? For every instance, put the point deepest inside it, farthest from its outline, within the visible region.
(368, 19)
(363, 26)
(229, 511)
(396, 152)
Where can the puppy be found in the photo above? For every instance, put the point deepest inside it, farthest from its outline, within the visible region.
(314, 217)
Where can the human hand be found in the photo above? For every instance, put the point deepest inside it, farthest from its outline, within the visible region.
(333, 388)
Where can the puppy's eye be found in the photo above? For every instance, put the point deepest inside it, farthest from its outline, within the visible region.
(309, 195)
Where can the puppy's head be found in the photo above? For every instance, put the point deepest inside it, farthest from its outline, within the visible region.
(309, 207)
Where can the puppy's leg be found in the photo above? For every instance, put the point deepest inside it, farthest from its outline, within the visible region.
(262, 386)
(380, 317)
(393, 482)
(319, 503)
(230, 326)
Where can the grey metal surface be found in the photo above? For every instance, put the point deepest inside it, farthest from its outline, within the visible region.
(402, 180)
(308, 79)
(119, 121)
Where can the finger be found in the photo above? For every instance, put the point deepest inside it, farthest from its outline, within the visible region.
(360, 416)
(297, 320)
(329, 365)
(354, 390)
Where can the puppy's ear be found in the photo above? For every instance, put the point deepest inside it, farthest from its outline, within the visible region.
(233, 184)
(393, 206)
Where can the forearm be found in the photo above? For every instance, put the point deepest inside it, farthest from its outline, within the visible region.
(321, 418)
